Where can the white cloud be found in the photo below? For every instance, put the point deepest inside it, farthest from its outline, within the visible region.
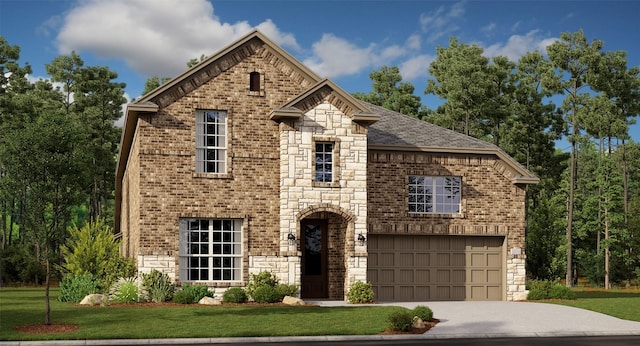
(154, 37)
(489, 28)
(442, 21)
(518, 45)
(416, 67)
(334, 57)
(414, 42)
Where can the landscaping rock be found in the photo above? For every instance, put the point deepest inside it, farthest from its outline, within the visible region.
(418, 323)
(210, 301)
(94, 299)
(292, 301)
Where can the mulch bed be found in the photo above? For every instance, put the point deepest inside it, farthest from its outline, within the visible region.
(41, 328)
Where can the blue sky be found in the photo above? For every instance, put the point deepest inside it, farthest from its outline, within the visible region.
(342, 40)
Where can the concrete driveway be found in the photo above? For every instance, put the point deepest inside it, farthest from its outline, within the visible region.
(517, 319)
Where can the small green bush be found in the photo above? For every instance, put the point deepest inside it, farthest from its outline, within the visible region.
(234, 295)
(559, 291)
(423, 312)
(400, 320)
(286, 290)
(543, 289)
(360, 292)
(263, 278)
(183, 297)
(127, 290)
(197, 291)
(73, 288)
(266, 294)
(159, 286)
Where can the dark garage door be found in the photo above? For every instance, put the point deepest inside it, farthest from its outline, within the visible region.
(426, 267)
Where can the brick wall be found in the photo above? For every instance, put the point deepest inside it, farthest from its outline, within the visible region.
(491, 203)
(164, 156)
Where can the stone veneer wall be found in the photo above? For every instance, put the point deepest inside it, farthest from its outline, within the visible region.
(301, 197)
(491, 203)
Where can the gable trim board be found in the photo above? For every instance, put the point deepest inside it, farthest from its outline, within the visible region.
(271, 189)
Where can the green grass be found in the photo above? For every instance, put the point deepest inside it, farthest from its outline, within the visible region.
(621, 303)
(22, 306)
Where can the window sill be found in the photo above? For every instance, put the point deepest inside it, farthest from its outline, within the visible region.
(334, 184)
(437, 215)
(213, 175)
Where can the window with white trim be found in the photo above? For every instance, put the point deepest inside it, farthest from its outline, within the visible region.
(211, 141)
(210, 250)
(324, 162)
(436, 195)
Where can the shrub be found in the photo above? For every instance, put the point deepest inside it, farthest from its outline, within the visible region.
(197, 291)
(263, 278)
(286, 290)
(234, 295)
(73, 288)
(159, 286)
(360, 292)
(266, 294)
(92, 249)
(543, 289)
(400, 320)
(559, 291)
(128, 290)
(423, 312)
(183, 297)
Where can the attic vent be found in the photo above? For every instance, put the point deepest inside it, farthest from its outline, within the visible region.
(256, 84)
(254, 81)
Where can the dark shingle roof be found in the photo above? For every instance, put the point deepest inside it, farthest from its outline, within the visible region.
(400, 130)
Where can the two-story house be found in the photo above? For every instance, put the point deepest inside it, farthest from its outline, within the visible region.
(249, 162)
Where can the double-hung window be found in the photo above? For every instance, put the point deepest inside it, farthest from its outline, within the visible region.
(210, 250)
(437, 195)
(324, 162)
(211, 141)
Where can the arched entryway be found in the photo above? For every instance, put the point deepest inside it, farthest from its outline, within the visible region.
(326, 239)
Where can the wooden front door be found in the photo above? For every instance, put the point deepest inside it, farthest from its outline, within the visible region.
(314, 259)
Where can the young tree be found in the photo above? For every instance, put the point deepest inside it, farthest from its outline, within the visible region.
(46, 160)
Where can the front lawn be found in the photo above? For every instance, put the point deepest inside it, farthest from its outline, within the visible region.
(621, 303)
(22, 306)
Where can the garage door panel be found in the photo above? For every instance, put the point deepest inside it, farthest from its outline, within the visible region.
(422, 260)
(494, 260)
(386, 276)
(458, 259)
(406, 276)
(458, 276)
(443, 259)
(406, 259)
(435, 267)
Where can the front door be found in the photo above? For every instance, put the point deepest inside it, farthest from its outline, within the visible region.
(314, 259)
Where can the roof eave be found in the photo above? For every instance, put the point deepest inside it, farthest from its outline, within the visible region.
(132, 113)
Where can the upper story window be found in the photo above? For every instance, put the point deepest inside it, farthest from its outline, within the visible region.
(324, 162)
(210, 250)
(211, 141)
(437, 195)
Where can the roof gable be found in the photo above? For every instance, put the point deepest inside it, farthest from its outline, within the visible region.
(220, 62)
(325, 90)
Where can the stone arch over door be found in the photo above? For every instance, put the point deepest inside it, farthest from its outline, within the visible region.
(339, 238)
